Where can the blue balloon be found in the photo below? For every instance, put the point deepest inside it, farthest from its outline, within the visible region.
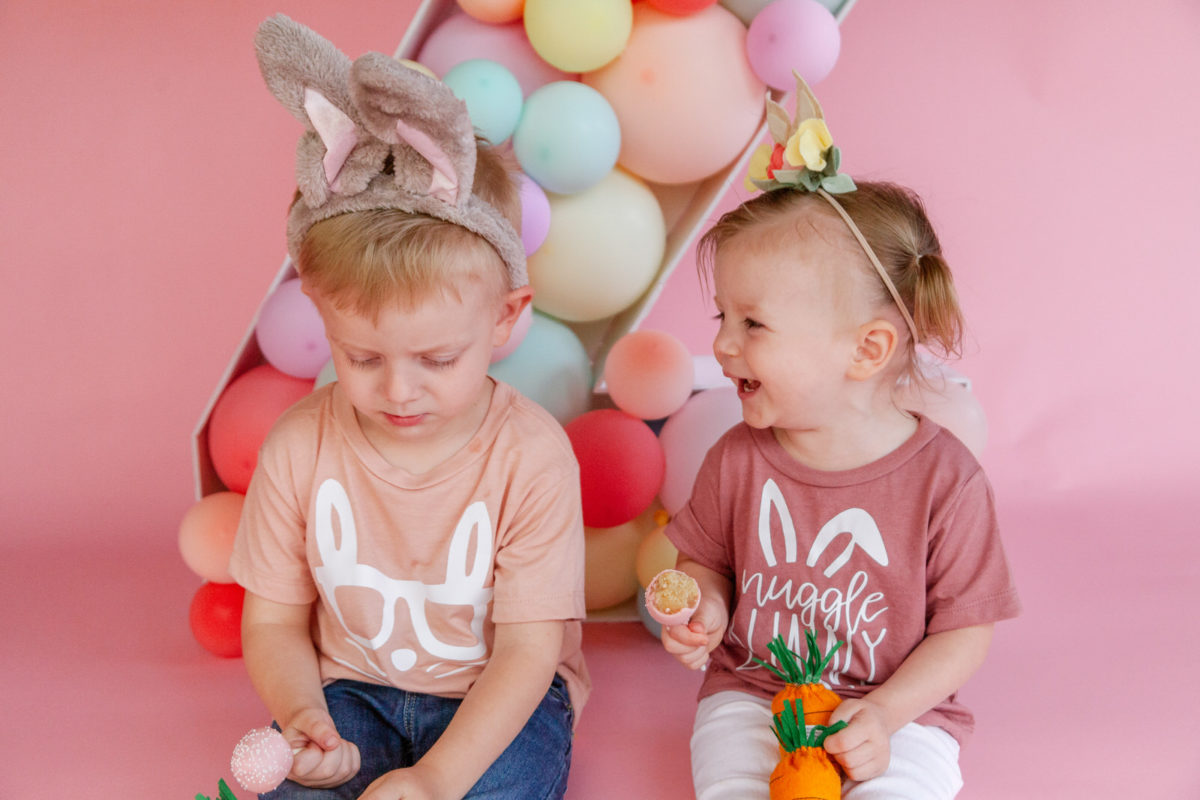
(551, 368)
(568, 137)
(492, 94)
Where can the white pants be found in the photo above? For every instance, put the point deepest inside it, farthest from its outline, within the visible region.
(734, 751)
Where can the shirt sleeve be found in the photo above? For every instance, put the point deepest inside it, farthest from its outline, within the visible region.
(967, 574)
(698, 530)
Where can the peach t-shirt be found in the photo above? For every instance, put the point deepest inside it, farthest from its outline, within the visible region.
(412, 572)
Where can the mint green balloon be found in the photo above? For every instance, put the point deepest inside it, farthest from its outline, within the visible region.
(568, 137)
(551, 368)
(492, 94)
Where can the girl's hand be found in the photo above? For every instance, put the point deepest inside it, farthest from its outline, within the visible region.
(863, 747)
(325, 759)
(692, 643)
(402, 784)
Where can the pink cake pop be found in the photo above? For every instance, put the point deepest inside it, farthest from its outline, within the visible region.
(261, 760)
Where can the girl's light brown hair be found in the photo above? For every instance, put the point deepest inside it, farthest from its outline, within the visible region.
(369, 260)
(893, 221)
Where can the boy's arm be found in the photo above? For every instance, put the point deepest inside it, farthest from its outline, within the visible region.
(509, 689)
(692, 643)
(934, 670)
(282, 662)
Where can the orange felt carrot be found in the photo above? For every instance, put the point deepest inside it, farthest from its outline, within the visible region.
(804, 771)
(802, 679)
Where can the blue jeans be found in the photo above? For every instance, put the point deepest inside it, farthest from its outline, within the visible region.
(394, 728)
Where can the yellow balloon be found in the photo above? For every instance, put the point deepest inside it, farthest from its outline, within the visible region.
(609, 574)
(654, 554)
(578, 35)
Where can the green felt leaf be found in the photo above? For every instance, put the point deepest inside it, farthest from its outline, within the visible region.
(838, 184)
(810, 180)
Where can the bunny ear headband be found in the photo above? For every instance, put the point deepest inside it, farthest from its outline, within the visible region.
(378, 135)
(804, 159)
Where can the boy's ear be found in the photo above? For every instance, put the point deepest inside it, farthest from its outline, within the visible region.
(877, 343)
(511, 305)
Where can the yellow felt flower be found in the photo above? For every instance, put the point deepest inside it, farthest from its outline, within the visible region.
(808, 145)
(760, 159)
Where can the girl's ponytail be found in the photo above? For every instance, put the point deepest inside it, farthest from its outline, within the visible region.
(935, 306)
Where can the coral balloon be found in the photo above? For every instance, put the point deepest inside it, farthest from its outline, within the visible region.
(649, 374)
(688, 434)
(462, 37)
(680, 7)
(674, 73)
(621, 465)
(800, 35)
(242, 417)
(609, 555)
(492, 95)
(215, 616)
(206, 535)
(604, 249)
(493, 11)
(290, 332)
(568, 137)
(655, 553)
(551, 368)
(516, 337)
(951, 405)
(580, 35)
(535, 215)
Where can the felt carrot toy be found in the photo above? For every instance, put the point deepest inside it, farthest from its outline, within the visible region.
(802, 679)
(223, 792)
(804, 771)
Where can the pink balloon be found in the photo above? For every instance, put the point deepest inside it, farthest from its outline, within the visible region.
(463, 37)
(516, 337)
(243, 415)
(688, 434)
(206, 535)
(535, 214)
(620, 465)
(788, 35)
(951, 405)
(684, 94)
(290, 332)
(649, 374)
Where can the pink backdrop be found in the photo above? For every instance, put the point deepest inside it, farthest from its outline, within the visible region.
(145, 172)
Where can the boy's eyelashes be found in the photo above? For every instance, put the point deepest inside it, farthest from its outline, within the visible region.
(435, 363)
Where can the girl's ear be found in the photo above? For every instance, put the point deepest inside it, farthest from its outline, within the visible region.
(877, 343)
(511, 306)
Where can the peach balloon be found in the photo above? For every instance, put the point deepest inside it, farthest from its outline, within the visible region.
(656, 552)
(493, 11)
(206, 535)
(649, 374)
(686, 98)
(610, 576)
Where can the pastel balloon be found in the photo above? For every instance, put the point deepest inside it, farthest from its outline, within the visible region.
(551, 368)
(800, 35)
(290, 332)
(579, 35)
(535, 214)
(951, 405)
(609, 554)
(461, 37)
(604, 249)
(328, 374)
(680, 7)
(568, 137)
(492, 95)
(621, 465)
(684, 94)
(649, 374)
(206, 535)
(516, 337)
(686, 437)
(215, 617)
(655, 553)
(243, 415)
(493, 11)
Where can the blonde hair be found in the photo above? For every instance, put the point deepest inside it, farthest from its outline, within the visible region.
(369, 260)
(893, 220)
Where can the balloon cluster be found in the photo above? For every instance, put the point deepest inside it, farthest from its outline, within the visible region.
(603, 103)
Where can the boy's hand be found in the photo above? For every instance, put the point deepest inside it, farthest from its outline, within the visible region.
(322, 758)
(692, 643)
(402, 784)
(863, 747)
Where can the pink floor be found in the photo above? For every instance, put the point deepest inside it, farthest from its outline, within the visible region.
(105, 692)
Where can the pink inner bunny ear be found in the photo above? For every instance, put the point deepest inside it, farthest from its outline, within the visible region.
(444, 184)
(336, 130)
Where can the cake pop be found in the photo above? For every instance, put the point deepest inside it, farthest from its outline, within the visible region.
(672, 597)
(261, 760)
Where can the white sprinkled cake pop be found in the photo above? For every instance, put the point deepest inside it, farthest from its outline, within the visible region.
(261, 760)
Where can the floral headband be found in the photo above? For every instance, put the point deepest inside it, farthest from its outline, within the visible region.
(805, 159)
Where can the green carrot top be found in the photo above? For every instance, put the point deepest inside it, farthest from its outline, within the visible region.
(789, 728)
(794, 669)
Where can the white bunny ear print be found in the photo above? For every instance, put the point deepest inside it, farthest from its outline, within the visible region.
(428, 126)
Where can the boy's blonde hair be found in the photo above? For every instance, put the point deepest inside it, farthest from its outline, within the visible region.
(369, 260)
(893, 220)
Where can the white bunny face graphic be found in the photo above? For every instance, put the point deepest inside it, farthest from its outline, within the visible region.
(463, 585)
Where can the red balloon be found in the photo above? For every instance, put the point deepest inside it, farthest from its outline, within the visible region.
(243, 415)
(680, 7)
(216, 618)
(621, 465)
